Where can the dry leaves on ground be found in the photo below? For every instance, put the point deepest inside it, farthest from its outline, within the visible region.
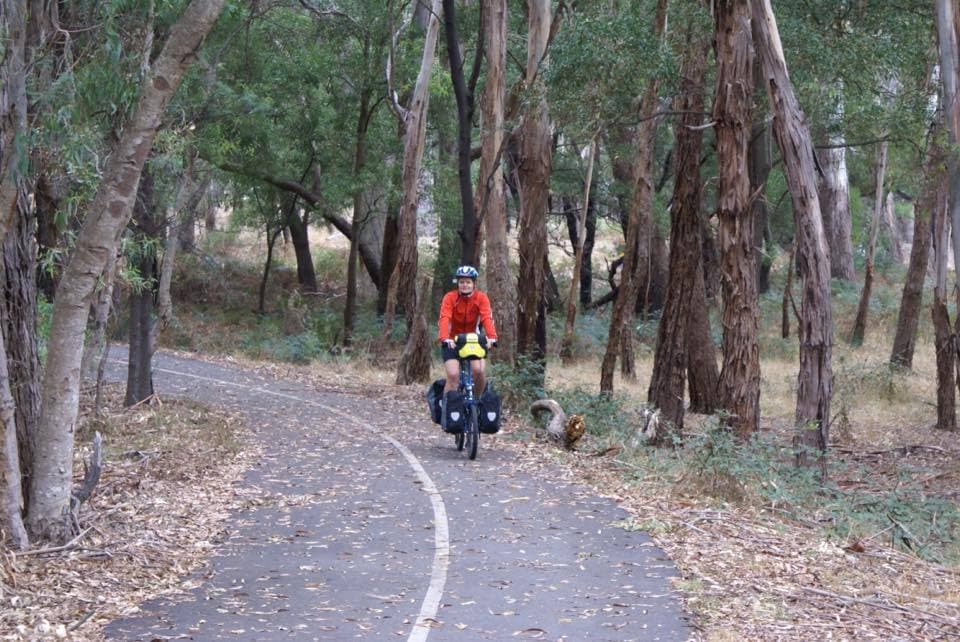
(167, 486)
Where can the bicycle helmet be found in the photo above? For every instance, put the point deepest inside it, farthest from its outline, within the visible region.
(466, 271)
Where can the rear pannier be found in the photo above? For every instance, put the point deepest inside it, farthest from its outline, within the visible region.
(489, 414)
(454, 412)
(434, 395)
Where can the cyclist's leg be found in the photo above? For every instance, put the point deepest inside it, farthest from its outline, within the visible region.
(451, 368)
(479, 376)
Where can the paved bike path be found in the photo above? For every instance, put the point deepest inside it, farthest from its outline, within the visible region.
(370, 525)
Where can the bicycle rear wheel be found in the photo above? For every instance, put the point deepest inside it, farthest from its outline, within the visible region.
(460, 440)
(473, 433)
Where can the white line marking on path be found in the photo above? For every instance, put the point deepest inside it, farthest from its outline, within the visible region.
(441, 556)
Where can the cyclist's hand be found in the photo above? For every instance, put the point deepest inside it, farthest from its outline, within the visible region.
(491, 343)
(450, 343)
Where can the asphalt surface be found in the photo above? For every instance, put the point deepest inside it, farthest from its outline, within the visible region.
(372, 526)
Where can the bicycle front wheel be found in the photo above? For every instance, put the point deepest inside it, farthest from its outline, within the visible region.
(473, 433)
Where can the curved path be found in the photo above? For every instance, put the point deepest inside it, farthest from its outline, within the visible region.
(370, 525)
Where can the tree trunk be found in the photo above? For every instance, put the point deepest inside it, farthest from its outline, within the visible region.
(551, 290)
(11, 503)
(391, 248)
(640, 204)
(893, 229)
(414, 364)
(671, 358)
(703, 376)
(19, 391)
(860, 323)
(140, 354)
(815, 379)
(13, 107)
(18, 311)
(465, 107)
(586, 267)
(299, 235)
(492, 209)
(566, 352)
(533, 172)
(359, 216)
(905, 339)
(944, 341)
(947, 27)
(180, 220)
(107, 216)
(272, 236)
(759, 162)
(739, 385)
(402, 290)
(102, 307)
(835, 203)
(787, 301)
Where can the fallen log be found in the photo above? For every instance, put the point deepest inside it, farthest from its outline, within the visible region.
(562, 429)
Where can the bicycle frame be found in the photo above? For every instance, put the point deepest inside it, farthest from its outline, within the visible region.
(470, 437)
(466, 382)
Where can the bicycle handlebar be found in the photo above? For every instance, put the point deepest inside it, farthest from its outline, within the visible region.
(461, 340)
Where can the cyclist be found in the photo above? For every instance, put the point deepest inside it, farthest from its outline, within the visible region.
(464, 310)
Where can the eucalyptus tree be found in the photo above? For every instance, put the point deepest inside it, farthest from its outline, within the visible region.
(490, 200)
(739, 384)
(464, 90)
(843, 56)
(601, 63)
(815, 379)
(637, 247)
(13, 121)
(685, 288)
(534, 160)
(908, 317)
(948, 22)
(402, 284)
(108, 213)
(860, 322)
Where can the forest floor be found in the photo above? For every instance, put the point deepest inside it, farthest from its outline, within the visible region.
(751, 569)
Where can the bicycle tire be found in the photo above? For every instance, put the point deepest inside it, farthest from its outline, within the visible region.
(459, 438)
(473, 433)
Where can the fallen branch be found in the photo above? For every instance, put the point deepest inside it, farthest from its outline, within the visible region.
(892, 606)
(900, 450)
(54, 549)
(562, 429)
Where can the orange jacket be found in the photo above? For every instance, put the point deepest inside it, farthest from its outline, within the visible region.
(459, 314)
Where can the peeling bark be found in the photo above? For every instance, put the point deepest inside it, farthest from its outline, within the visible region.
(739, 385)
(492, 206)
(815, 379)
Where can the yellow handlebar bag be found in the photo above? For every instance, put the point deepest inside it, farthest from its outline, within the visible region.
(471, 347)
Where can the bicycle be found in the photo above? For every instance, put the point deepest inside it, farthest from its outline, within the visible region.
(476, 345)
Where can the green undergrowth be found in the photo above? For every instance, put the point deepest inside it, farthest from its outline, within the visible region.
(712, 465)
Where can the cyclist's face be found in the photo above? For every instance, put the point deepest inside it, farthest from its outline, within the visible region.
(465, 285)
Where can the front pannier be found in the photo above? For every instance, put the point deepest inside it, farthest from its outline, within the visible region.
(434, 395)
(489, 414)
(454, 412)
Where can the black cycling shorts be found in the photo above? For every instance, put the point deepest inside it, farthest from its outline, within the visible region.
(447, 352)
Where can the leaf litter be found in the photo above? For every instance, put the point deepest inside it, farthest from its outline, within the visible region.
(167, 486)
(748, 572)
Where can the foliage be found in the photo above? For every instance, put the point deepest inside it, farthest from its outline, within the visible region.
(44, 317)
(600, 62)
(603, 414)
(519, 384)
(762, 472)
